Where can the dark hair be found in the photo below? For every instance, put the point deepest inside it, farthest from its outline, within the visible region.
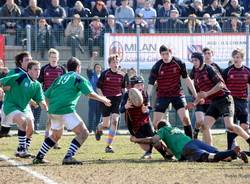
(163, 48)
(198, 56)
(205, 50)
(136, 80)
(161, 124)
(97, 64)
(73, 63)
(32, 63)
(19, 58)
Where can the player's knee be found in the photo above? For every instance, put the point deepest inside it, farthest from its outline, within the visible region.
(114, 122)
(186, 120)
(199, 123)
(230, 128)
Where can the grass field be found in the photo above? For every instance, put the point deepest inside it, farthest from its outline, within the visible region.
(124, 166)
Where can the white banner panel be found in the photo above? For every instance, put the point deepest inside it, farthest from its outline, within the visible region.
(182, 45)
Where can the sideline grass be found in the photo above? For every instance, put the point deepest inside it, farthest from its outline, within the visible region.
(124, 166)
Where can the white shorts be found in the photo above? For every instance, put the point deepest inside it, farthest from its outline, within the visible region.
(7, 121)
(70, 121)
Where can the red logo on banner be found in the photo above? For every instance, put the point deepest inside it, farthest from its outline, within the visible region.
(2, 47)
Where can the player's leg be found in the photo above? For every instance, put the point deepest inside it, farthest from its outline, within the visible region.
(161, 105)
(112, 132)
(231, 142)
(57, 125)
(207, 135)
(20, 119)
(199, 116)
(179, 104)
(5, 126)
(211, 115)
(106, 111)
(75, 123)
(29, 131)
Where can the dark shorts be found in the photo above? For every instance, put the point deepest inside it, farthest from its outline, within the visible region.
(194, 150)
(162, 103)
(145, 130)
(221, 106)
(241, 111)
(202, 108)
(114, 108)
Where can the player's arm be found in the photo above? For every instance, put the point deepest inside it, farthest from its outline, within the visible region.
(33, 104)
(43, 105)
(99, 98)
(190, 86)
(204, 94)
(148, 140)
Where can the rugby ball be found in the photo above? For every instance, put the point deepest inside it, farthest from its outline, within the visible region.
(135, 96)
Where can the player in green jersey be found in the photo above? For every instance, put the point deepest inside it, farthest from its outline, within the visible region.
(184, 148)
(62, 97)
(23, 88)
(21, 60)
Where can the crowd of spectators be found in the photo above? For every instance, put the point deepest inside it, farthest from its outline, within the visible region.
(85, 21)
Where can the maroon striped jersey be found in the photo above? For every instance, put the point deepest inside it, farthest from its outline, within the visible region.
(111, 83)
(168, 76)
(237, 80)
(49, 74)
(206, 79)
(136, 116)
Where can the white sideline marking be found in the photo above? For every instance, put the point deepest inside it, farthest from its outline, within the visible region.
(28, 170)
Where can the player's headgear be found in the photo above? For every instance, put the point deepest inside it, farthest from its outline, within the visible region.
(199, 56)
(136, 80)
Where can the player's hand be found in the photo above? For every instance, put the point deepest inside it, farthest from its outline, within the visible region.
(44, 105)
(144, 108)
(190, 105)
(107, 102)
(129, 104)
(202, 101)
(132, 138)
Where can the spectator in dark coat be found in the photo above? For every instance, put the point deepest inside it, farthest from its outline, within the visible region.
(246, 24)
(58, 14)
(174, 24)
(138, 22)
(32, 11)
(192, 24)
(196, 8)
(233, 24)
(164, 14)
(234, 7)
(112, 26)
(215, 9)
(100, 10)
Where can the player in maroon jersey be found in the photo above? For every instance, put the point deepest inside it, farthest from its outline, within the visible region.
(211, 85)
(201, 108)
(208, 59)
(110, 84)
(138, 120)
(167, 72)
(237, 78)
